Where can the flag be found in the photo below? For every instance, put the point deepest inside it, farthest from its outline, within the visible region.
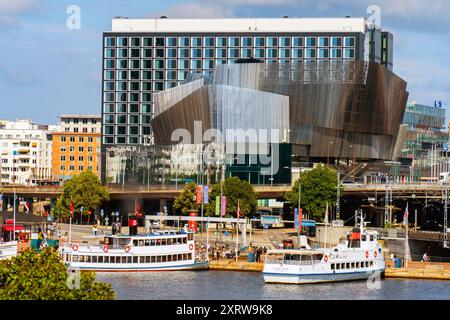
(300, 218)
(238, 210)
(223, 209)
(296, 218)
(217, 206)
(72, 209)
(199, 194)
(405, 215)
(27, 206)
(205, 194)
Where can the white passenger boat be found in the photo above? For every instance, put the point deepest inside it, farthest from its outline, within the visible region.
(356, 258)
(155, 251)
(8, 249)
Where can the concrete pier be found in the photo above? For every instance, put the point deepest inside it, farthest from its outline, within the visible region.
(232, 265)
(419, 270)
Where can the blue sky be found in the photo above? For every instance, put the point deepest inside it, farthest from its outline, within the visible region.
(47, 69)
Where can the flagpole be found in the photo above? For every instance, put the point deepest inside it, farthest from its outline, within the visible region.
(14, 218)
(237, 231)
(406, 248)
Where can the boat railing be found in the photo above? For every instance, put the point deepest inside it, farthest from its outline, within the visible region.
(95, 246)
(292, 262)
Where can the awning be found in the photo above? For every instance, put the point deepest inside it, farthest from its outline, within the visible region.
(11, 228)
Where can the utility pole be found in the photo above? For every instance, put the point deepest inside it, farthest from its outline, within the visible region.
(446, 210)
(338, 201)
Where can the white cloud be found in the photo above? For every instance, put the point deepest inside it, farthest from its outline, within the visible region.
(10, 11)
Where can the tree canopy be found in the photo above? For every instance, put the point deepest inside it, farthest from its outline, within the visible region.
(318, 186)
(234, 189)
(85, 190)
(43, 276)
(186, 200)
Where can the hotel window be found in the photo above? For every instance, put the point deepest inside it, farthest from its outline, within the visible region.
(110, 42)
(349, 41)
(171, 42)
(109, 97)
(208, 64)
(122, 64)
(209, 42)
(297, 53)
(148, 42)
(208, 53)
(90, 150)
(285, 42)
(146, 75)
(146, 53)
(234, 42)
(122, 97)
(63, 158)
(72, 158)
(62, 149)
(146, 64)
(310, 42)
(159, 53)
(62, 168)
(146, 108)
(297, 42)
(221, 42)
(182, 75)
(134, 108)
(134, 130)
(146, 86)
(63, 139)
(90, 139)
(323, 53)
(196, 53)
(183, 64)
(122, 42)
(233, 53)
(285, 53)
(132, 140)
(272, 53)
(196, 64)
(135, 42)
(221, 53)
(158, 75)
(122, 119)
(246, 53)
(259, 42)
(336, 41)
(159, 42)
(122, 108)
(134, 53)
(323, 42)
(121, 130)
(259, 53)
(336, 53)
(171, 75)
(310, 53)
(146, 119)
(171, 64)
(81, 139)
(158, 86)
(246, 42)
(171, 53)
(80, 168)
(122, 53)
(184, 42)
(109, 118)
(146, 130)
(272, 42)
(122, 86)
(108, 140)
(147, 97)
(121, 75)
(72, 168)
(159, 64)
(110, 64)
(109, 75)
(80, 149)
(134, 86)
(183, 53)
(196, 42)
(135, 64)
(81, 158)
(349, 53)
(134, 75)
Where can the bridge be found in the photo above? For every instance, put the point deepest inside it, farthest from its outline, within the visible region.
(416, 190)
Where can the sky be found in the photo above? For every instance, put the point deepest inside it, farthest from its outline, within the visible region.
(47, 69)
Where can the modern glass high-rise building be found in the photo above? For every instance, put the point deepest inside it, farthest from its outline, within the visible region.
(144, 56)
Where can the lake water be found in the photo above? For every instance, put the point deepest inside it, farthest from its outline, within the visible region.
(229, 285)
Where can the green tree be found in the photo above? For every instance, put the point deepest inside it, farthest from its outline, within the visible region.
(43, 276)
(234, 189)
(186, 200)
(318, 186)
(85, 190)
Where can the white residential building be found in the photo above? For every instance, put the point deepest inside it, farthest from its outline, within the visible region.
(25, 152)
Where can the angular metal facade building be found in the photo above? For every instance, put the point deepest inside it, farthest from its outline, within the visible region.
(324, 109)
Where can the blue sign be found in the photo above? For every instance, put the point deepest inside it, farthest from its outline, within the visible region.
(438, 104)
(296, 218)
(205, 194)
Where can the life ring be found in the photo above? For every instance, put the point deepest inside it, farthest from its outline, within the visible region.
(127, 248)
(375, 254)
(325, 258)
(367, 254)
(105, 248)
(191, 246)
(74, 247)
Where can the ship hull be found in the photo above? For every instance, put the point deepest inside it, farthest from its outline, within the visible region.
(138, 268)
(318, 278)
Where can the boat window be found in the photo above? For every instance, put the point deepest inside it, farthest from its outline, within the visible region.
(189, 256)
(75, 258)
(371, 237)
(135, 242)
(158, 242)
(81, 259)
(169, 258)
(141, 243)
(108, 241)
(123, 241)
(175, 257)
(180, 240)
(118, 259)
(147, 259)
(180, 257)
(142, 259)
(358, 265)
(152, 242)
(94, 259)
(153, 259)
(363, 237)
(353, 265)
(190, 236)
(164, 259)
(135, 259)
(124, 259)
(128, 259)
(147, 243)
(106, 259)
(100, 259)
(333, 266)
(342, 265)
(184, 240)
(367, 264)
(347, 266)
(169, 242)
(163, 242)
(158, 258)
(371, 263)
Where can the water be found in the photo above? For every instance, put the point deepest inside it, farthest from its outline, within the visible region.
(229, 285)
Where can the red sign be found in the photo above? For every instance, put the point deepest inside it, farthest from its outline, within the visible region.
(192, 223)
(300, 218)
(89, 212)
(132, 223)
(199, 194)
(72, 208)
